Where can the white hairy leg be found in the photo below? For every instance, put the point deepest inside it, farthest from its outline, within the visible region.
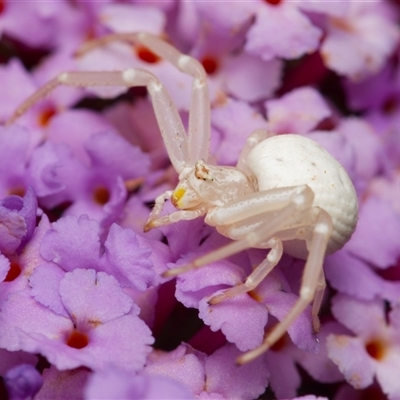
(257, 276)
(199, 114)
(319, 295)
(311, 276)
(181, 147)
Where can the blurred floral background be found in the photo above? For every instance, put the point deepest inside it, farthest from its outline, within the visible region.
(84, 311)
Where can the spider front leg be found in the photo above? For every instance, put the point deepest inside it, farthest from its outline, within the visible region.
(183, 149)
(155, 220)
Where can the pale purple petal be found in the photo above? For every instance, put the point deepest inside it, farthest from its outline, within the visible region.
(241, 319)
(15, 149)
(133, 18)
(368, 156)
(350, 356)
(192, 288)
(251, 79)
(387, 374)
(21, 315)
(85, 286)
(343, 270)
(72, 243)
(12, 229)
(109, 150)
(4, 267)
(240, 12)
(279, 304)
(297, 35)
(285, 377)
(339, 147)
(319, 366)
(77, 127)
(365, 318)
(245, 382)
(127, 258)
(45, 281)
(376, 238)
(359, 44)
(13, 75)
(112, 384)
(298, 111)
(183, 364)
(235, 120)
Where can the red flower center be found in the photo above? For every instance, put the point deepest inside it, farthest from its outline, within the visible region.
(46, 115)
(146, 55)
(273, 2)
(210, 64)
(77, 340)
(101, 195)
(13, 272)
(376, 349)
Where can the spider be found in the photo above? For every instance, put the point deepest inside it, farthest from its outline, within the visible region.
(285, 194)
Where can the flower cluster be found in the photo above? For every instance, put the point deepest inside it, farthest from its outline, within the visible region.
(84, 310)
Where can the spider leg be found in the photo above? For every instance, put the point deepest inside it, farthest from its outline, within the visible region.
(311, 277)
(182, 149)
(155, 221)
(282, 204)
(319, 295)
(167, 115)
(157, 209)
(257, 276)
(199, 114)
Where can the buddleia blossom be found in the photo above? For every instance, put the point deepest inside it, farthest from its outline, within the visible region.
(85, 312)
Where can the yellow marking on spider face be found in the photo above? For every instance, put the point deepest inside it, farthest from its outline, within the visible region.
(177, 196)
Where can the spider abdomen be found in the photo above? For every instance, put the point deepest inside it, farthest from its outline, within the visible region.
(292, 160)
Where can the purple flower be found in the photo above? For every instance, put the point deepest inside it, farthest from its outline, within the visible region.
(75, 243)
(119, 384)
(359, 42)
(374, 351)
(90, 322)
(17, 221)
(215, 376)
(296, 112)
(285, 20)
(83, 288)
(35, 26)
(23, 382)
(15, 150)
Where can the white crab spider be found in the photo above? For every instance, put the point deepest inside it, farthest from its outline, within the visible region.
(285, 194)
